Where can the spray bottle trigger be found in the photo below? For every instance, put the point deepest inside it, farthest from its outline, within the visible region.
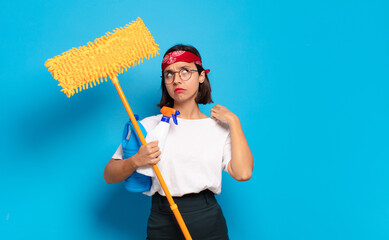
(174, 116)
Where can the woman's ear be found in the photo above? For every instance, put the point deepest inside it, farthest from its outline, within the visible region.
(202, 77)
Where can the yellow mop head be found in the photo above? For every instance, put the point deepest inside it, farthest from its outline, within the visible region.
(107, 56)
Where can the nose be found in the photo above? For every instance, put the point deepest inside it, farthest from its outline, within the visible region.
(178, 78)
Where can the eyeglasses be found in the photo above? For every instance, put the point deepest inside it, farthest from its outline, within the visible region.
(185, 75)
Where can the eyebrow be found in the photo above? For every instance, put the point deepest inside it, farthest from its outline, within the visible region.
(185, 66)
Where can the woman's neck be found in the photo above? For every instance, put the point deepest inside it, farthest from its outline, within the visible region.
(189, 110)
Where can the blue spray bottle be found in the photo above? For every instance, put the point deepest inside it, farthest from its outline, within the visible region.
(131, 143)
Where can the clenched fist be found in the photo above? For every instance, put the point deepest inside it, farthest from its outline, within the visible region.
(218, 112)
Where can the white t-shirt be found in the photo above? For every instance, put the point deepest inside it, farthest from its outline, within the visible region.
(195, 154)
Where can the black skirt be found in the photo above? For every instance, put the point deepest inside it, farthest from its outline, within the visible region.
(200, 211)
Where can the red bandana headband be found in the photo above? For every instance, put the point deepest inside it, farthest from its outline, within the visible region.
(181, 56)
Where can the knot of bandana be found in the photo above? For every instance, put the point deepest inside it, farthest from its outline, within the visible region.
(181, 56)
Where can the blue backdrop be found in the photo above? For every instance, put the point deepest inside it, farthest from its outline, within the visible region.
(308, 80)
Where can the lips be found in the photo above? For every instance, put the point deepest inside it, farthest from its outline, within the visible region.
(179, 90)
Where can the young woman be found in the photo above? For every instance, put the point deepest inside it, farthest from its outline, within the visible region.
(196, 152)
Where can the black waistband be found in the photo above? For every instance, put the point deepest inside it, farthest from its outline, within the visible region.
(186, 203)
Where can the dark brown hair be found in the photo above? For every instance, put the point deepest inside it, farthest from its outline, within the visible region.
(204, 93)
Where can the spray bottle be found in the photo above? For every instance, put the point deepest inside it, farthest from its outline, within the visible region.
(131, 144)
(160, 133)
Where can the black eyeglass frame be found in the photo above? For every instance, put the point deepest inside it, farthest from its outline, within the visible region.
(179, 73)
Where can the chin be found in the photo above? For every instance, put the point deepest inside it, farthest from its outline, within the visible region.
(181, 99)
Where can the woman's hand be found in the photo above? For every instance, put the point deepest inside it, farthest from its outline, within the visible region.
(218, 112)
(147, 155)
(118, 170)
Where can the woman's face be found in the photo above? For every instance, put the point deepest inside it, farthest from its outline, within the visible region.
(180, 90)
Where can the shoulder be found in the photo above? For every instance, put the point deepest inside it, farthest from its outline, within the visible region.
(216, 126)
(224, 128)
(218, 131)
(151, 122)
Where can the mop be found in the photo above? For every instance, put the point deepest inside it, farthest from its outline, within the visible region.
(109, 55)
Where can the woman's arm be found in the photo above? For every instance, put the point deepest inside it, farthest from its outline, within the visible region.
(242, 163)
(118, 170)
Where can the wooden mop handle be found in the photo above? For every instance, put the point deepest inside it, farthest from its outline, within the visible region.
(173, 206)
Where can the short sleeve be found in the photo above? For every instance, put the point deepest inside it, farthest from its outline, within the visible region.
(226, 153)
(119, 153)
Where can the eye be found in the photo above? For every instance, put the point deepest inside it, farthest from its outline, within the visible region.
(168, 74)
(184, 70)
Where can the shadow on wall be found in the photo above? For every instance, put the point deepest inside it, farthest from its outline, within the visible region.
(124, 212)
(53, 117)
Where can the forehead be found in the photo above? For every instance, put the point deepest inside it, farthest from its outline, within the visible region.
(177, 65)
